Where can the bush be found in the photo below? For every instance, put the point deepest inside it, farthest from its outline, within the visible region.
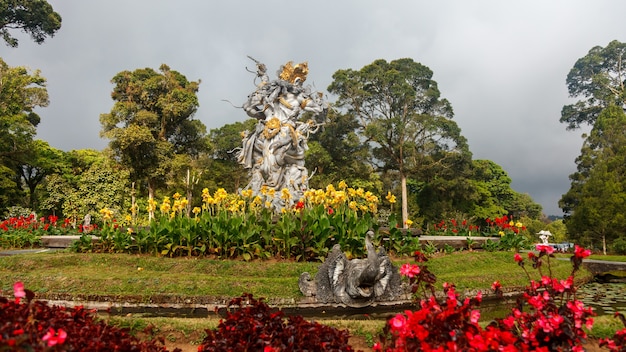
(546, 318)
(252, 326)
(36, 326)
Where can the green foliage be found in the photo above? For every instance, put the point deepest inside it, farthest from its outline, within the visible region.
(21, 92)
(401, 114)
(597, 196)
(597, 81)
(35, 17)
(151, 122)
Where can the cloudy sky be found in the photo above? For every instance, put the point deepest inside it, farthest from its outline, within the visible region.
(501, 64)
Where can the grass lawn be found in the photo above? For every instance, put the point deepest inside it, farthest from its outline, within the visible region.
(140, 277)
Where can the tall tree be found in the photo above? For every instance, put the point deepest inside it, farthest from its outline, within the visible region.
(225, 170)
(337, 153)
(35, 17)
(152, 121)
(595, 203)
(401, 116)
(597, 81)
(21, 91)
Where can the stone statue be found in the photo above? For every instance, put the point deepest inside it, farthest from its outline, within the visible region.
(274, 152)
(356, 282)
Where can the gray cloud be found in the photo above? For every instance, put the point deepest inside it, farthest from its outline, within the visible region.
(501, 64)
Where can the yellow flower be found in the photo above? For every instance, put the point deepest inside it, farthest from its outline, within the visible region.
(196, 210)
(151, 205)
(511, 223)
(390, 198)
(129, 230)
(220, 195)
(352, 205)
(128, 218)
(285, 194)
(501, 233)
(519, 224)
(176, 196)
(106, 213)
(342, 185)
(408, 222)
(247, 193)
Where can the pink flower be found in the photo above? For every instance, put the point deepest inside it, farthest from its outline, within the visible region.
(54, 338)
(397, 323)
(496, 285)
(475, 316)
(18, 291)
(544, 248)
(409, 270)
(518, 258)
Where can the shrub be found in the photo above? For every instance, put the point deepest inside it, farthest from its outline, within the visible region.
(252, 326)
(547, 317)
(36, 326)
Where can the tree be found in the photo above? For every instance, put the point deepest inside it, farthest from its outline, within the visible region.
(596, 200)
(225, 170)
(20, 93)
(152, 121)
(35, 17)
(597, 80)
(336, 154)
(401, 116)
(41, 161)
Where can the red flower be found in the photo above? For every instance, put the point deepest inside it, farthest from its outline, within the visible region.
(581, 252)
(330, 211)
(518, 258)
(300, 205)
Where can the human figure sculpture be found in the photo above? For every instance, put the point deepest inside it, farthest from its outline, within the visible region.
(544, 235)
(356, 282)
(274, 152)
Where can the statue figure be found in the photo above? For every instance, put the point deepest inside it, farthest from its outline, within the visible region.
(544, 235)
(274, 152)
(357, 282)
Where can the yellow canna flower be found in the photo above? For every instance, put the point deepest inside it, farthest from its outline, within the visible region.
(353, 205)
(342, 185)
(176, 196)
(390, 198)
(285, 194)
(247, 193)
(408, 222)
(519, 224)
(501, 233)
(196, 210)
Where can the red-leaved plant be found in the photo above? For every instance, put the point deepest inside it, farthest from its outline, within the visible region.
(31, 325)
(547, 317)
(254, 326)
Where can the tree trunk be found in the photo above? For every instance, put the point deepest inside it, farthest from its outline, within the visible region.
(150, 199)
(604, 244)
(405, 203)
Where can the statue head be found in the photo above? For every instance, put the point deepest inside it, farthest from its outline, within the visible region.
(294, 74)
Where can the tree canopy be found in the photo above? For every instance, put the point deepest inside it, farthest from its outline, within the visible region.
(21, 91)
(597, 81)
(35, 17)
(152, 121)
(401, 116)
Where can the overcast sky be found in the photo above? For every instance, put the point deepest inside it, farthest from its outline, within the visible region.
(501, 64)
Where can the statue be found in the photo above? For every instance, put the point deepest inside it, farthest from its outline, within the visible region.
(274, 152)
(544, 235)
(357, 282)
